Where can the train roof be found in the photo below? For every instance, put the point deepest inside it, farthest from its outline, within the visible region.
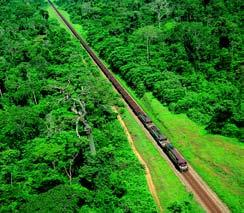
(178, 156)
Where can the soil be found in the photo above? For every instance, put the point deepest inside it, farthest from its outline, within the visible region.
(148, 175)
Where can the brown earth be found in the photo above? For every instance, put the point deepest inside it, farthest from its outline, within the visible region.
(148, 175)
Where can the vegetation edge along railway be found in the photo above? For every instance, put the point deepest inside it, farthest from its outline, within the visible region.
(212, 205)
(162, 141)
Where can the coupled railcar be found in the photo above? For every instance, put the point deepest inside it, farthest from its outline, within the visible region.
(163, 143)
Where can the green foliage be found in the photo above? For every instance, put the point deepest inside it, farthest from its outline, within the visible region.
(170, 189)
(18, 124)
(63, 198)
(210, 155)
(180, 207)
(46, 164)
(200, 42)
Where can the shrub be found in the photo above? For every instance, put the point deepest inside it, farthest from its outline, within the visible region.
(197, 116)
(230, 129)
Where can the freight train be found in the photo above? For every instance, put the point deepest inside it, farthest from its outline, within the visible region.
(161, 140)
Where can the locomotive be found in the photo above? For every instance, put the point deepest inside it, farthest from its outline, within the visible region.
(163, 143)
(161, 140)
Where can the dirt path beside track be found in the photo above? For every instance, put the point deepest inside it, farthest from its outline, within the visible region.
(148, 175)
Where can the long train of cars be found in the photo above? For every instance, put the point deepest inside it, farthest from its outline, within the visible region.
(161, 140)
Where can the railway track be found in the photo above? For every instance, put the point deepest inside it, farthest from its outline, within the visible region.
(205, 196)
(201, 193)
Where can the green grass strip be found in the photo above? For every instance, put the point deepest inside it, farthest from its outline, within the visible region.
(53, 15)
(217, 159)
(170, 190)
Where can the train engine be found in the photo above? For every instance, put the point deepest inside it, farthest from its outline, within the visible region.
(175, 157)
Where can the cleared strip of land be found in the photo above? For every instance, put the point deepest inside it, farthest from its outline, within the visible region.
(192, 187)
(162, 175)
(215, 158)
(148, 175)
(171, 192)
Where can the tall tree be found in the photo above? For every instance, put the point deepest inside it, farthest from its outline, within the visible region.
(161, 8)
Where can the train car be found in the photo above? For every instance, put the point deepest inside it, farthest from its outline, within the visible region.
(161, 139)
(144, 118)
(175, 157)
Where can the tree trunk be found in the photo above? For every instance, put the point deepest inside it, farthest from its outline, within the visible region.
(69, 173)
(54, 166)
(148, 50)
(92, 145)
(159, 21)
(34, 96)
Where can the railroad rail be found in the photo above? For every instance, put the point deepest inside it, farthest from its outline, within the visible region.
(203, 193)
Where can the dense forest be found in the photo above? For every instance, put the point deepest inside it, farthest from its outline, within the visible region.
(186, 52)
(62, 148)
